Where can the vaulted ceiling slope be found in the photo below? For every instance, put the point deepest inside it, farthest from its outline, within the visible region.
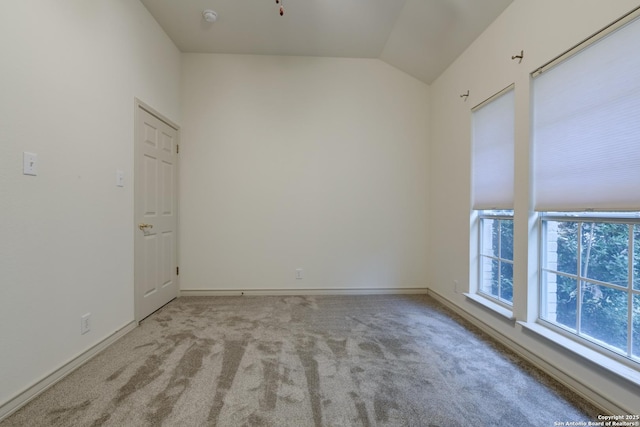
(420, 37)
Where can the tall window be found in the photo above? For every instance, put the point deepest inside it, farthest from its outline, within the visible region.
(587, 189)
(493, 136)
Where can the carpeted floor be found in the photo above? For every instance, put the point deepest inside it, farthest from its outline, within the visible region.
(303, 361)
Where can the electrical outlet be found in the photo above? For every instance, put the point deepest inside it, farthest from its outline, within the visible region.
(456, 285)
(298, 273)
(85, 323)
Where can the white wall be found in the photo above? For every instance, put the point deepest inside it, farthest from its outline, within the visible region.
(544, 29)
(68, 77)
(288, 162)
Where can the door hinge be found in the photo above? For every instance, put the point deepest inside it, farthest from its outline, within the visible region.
(177, 148)
(177, 271)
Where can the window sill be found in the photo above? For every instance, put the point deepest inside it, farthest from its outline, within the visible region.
(496, 308)
(607, 363)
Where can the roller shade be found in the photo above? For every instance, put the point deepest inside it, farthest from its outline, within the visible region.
(586, 127)
(493, 136)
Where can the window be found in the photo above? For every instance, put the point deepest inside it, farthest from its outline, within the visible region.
(591, 278)
(496, 256)
(493, 136)
(586, 171)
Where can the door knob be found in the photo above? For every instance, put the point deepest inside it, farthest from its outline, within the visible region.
(144, 226)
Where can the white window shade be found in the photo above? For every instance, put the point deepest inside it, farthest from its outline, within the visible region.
(586, 127)
(493, 136)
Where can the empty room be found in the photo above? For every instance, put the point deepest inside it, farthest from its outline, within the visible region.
(319, 213)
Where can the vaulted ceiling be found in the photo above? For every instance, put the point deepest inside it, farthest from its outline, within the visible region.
(420, 37)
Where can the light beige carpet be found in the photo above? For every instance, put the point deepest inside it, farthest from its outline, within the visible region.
(303, 361)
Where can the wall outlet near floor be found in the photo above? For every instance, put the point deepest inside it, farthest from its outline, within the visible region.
(456, 286)
(85, 323)
(298, 273)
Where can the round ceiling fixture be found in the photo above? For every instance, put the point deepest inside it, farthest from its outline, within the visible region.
(210, 15)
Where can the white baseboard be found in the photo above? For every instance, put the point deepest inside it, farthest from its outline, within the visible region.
(573, 384)
(286, 292)
(17, 402)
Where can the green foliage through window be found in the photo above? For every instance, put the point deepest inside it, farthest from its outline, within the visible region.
(591, 273)
(496, 255)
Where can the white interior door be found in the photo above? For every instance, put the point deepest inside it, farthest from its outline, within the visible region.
(156, 275)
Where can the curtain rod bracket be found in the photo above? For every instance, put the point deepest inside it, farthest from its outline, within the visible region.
(519, 57)
(465, 95)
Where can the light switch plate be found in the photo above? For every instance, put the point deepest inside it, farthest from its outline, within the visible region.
(119, 178)
(30, 163)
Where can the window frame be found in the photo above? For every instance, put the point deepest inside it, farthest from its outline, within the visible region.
(627, 366)
(632, 219)
(499, 215)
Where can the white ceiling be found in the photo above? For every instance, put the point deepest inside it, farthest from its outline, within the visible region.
(420, 37)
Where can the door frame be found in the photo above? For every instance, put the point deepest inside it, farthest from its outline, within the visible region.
(140, 105)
